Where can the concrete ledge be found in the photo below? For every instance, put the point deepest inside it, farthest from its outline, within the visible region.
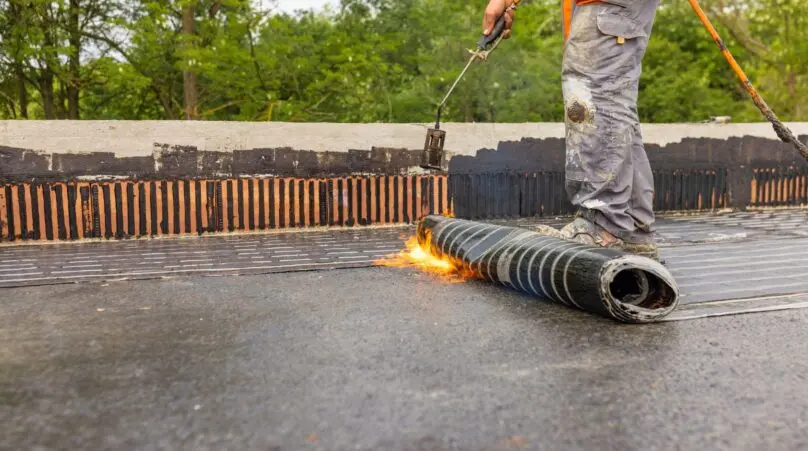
(63, 180)
(137, 138)
(96, 150)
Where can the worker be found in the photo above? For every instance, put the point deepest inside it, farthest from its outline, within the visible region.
(608, 176)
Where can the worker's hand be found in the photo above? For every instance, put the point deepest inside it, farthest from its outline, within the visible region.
(492, 13)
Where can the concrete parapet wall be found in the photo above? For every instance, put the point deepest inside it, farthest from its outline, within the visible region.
(76, 210)
(61, 150)
(63, 180)
(137, 138)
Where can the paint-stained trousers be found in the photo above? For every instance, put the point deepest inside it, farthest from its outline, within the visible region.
(608, 176)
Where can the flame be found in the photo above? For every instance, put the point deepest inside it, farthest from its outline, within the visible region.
(416, 256)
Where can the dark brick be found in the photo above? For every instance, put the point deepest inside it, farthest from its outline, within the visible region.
(102, 163)
(211, 163)
(16, 162)
(359, 160)
(254, 161)
(176, 160)
(334, 163)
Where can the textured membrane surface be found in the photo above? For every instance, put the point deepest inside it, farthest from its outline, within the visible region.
(712, 257)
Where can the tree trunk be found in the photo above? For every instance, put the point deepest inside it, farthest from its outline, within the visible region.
(61, 100)
(791, 87)
(189, 76)
(46, 73)
(15, 13)
(75, 61)
(46, 88)
(22, 92)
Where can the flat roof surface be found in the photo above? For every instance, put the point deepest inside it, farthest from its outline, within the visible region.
(392, 358)
(714, 257)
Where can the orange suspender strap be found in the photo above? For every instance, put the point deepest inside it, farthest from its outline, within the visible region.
(566, 9)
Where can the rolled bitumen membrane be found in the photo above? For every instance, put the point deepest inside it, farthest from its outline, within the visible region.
(607, 282)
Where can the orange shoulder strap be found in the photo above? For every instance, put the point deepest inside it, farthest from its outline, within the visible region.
(566, 9)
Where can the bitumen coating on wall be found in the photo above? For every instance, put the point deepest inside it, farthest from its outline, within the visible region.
(58, 211)
(121, 179)
(714, 257)
(111, 180)
(532, 151)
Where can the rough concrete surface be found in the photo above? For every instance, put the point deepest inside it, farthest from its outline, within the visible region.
(137, 138)
(383, 358)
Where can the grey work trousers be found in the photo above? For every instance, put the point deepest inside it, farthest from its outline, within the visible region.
(608, 176)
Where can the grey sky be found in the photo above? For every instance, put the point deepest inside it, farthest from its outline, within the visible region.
(291, 5)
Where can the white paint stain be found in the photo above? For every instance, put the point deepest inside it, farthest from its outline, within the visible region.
(578, 91)
(593, 204)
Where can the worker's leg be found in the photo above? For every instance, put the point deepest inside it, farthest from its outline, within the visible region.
(600, 82)
(642, 196)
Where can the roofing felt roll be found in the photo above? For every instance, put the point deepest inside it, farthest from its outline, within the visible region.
(608, 282)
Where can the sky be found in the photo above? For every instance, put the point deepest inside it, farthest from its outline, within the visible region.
(291, 5)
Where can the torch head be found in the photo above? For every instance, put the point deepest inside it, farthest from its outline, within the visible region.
(433, 156)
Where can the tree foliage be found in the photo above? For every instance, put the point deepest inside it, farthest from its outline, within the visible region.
(369, 61)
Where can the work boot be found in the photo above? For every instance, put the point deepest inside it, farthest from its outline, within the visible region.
(642, 243)
(549, 231)
(583, 231)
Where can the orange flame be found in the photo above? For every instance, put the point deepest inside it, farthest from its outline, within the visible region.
(417, 256)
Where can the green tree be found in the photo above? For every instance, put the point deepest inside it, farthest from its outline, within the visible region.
(368, 61)
(685, 77)
(775, 34)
